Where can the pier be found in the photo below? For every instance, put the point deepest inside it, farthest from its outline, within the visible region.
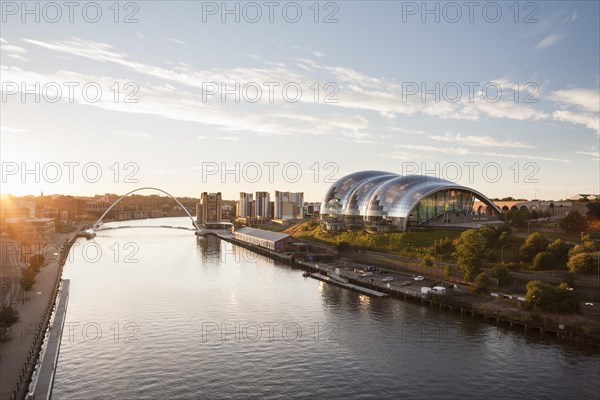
(350, 286)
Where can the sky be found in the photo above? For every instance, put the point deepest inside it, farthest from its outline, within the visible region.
(106, 97)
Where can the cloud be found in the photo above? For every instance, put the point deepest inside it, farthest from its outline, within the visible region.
(461, 151)
(174, 40)
(12, 51)
(588, 99)
(354, 91)
(588, 120)
(549, 41)
(477, 141)
(594, 154)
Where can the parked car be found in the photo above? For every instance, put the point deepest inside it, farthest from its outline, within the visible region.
(418, 278)
(387, 279)
(367, 274)
(406, 283)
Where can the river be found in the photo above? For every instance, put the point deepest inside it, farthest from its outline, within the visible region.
(160, 314)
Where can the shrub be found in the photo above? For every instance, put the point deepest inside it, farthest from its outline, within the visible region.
(583, 263)
(481, 284)
(574, 223)
(551, 298)
(502, 274)
(544, 261)
(534, 244)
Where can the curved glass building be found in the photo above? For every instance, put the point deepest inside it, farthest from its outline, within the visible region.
(386, 202)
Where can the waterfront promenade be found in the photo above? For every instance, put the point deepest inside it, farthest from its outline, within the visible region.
(18, 354)
(45, 377)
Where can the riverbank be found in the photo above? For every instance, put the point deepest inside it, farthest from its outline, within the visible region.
(19, 354)
(495, 309)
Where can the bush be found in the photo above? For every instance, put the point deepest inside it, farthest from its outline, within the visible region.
(481, 284)
(587, 246)
(551, 298)
(534, 244)
(427, 261)
(502, 274)
(560, 249)
(574, 223)
(583, 263)
(544, 261)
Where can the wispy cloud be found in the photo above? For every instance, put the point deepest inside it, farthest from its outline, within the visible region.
(478, 141)
(12, 51)
(173, 40)
(461, 151)
(579, 118)
(587, 99)
(549, 41)
(357, 91)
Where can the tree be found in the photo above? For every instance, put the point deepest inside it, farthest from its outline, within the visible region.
(481, 285)
(583, 263)
(560, 249)
(36, 261)
(8, 317)
(518, 218)
(471, 253)
(444, 247)
(534, 244)
(587, 246)
(27, 280)
(551, 298)
(544, 261)
(574, 223)
(593, 210)
(427, 261)
(502, 274)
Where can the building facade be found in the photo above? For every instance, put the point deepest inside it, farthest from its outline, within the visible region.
(380, 201)
(288, 205)
(245, 206)
(208, 210)
(262, 205)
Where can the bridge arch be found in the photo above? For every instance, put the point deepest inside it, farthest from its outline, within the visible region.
(137, 190)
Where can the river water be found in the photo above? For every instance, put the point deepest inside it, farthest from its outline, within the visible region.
(160, 314)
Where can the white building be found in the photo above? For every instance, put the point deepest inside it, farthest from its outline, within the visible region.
(262, 205)
(245, 206)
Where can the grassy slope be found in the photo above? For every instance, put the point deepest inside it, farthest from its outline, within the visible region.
(399, 243)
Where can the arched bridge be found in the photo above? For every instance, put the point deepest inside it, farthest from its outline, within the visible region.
(96, 225)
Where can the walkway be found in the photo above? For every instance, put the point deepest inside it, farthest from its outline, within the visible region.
(18, 353)
(45, 377)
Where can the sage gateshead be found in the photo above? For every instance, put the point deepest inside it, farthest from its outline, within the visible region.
(379, 201)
